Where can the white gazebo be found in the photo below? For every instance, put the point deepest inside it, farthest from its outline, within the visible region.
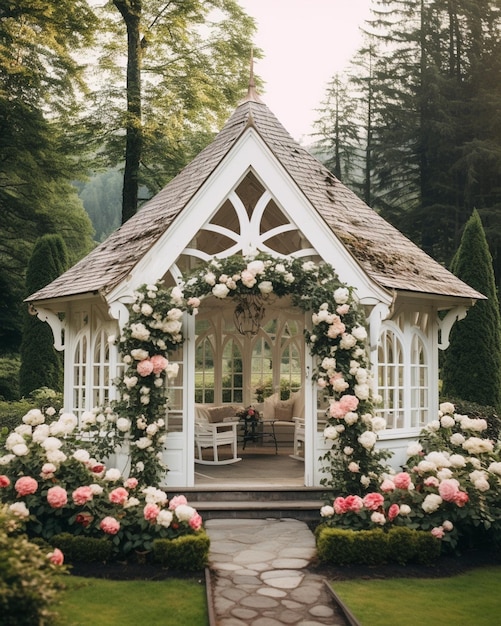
(255, 189)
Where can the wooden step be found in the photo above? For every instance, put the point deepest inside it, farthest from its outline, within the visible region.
(304, 503)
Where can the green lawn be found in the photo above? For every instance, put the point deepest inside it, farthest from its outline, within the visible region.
(171, 602)
(465, 600)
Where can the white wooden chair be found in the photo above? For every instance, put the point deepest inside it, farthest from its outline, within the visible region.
(213, 435)
(299, 436)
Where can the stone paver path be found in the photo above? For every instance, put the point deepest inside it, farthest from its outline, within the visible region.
(259, 575)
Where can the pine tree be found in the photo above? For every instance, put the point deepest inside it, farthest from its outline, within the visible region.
(41, 364)
(472, 362)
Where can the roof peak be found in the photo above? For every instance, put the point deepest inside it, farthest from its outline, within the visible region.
(252, 94)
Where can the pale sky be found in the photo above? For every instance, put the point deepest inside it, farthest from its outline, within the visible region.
(305, 43)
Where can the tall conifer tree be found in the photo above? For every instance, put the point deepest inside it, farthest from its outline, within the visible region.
(472, 363)
(41, 364)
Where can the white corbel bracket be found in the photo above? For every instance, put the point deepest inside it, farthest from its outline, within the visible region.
(57, 325)
(445, 324)
(119, 311)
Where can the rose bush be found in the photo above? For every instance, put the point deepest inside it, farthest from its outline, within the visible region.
(451, 486)
(71, 491)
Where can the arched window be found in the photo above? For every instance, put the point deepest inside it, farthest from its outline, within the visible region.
(419, 382)
(80, 361)
(291, 357)
(101, 383)
(232, 379)
(204, 370)
(403, 373)
(391, 377)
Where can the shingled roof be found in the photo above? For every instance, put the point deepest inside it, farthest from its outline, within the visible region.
(386, 255)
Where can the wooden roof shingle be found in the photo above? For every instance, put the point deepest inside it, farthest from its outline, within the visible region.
(386, 255)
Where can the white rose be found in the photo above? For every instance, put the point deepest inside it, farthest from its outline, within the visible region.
(331, 433)
(255, 267)
(51, 443)
(431, 503)
(184, 512)
(164, 518)
(34, 417)
(175, 314)
(14, 439)
(40, 433)
(139, 354)
(20, 449)
(341, 295)
(447, 407)
(447, 421)
(123, 424)
(378, 423)
(23, 430)
(347, 341)
(359, 333)
(146, 309)
(143, 442)
(327, 511)
(405, 509)
(220, 290)
(266, 286)
(81, 455)
(367, 439)
(414, 449)
(362, 391)
(56, 456)
(20, 509)
(113, 474)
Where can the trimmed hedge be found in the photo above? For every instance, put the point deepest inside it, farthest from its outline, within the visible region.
(339, 546)
(187, 553)
(77, 548)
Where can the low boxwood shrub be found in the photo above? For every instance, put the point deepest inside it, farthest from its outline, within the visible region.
(340, 546)
(30, 584)
(77, 548)
(187, 553)
(427, 548)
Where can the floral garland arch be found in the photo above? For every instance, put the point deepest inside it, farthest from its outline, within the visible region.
(338, 340)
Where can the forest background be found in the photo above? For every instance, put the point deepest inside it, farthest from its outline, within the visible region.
(101, 107)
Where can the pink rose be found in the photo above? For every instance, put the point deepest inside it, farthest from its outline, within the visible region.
(195, 522)
(81, 495)
(342, 309)
(131, 483)
(448, 489)
(349, 403)
(159, 363)
(56, 557)
(145, 367)
(354, 503)
(461, 498)
(25, 486)
(84, 518)
(373, 501)
(176, 501)
(248, 278)
(393, 511)
(387, 485)
(336, 410)
(437, 532)
(119, 495)
(402, 480)
(151, 511)
(431, 481)
(339, 505)
(336, 328)
(110, 525)
(4, 480)
(57, 497)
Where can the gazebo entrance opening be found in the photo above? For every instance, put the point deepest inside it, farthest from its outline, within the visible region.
(265, 371)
